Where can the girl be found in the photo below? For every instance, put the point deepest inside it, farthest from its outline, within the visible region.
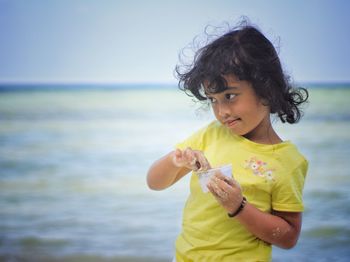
(240, 75)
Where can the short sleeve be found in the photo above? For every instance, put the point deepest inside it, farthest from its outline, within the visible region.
(196, 141)
(287, 194)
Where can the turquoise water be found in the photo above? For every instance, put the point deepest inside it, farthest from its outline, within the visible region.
(73, 165)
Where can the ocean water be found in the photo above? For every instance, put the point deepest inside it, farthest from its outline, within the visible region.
(73, 163)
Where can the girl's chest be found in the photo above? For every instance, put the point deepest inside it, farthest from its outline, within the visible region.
(256, 172)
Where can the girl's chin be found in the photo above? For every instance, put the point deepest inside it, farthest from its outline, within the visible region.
(237, 131)
(235, 128)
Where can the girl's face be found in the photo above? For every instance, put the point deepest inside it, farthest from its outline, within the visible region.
(241, 110)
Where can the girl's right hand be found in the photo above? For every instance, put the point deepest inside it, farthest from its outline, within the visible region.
(191, 159)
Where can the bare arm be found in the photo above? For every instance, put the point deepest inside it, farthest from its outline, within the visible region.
(173, 166)
(163, 173)
(279, 228)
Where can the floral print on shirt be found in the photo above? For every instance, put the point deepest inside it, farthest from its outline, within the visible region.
(259, 168)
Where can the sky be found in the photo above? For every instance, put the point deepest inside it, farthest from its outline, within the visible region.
(131, 41)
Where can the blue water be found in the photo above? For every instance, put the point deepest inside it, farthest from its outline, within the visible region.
(73, 163)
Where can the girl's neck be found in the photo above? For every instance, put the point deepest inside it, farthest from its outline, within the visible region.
(264, 133)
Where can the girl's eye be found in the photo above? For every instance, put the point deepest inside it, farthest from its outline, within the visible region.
(230, 96)
(212, 100)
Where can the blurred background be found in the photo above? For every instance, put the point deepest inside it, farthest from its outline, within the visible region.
(88, 100)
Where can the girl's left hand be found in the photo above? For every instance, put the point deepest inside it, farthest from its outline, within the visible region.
(227, 191)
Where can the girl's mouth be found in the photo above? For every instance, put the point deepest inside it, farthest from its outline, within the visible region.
(232, 122)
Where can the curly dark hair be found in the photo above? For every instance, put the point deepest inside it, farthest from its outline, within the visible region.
(247, 54)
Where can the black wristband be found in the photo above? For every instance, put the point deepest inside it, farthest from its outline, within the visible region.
(239, 209)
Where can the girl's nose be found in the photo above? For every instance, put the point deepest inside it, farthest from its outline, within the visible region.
(223, 110)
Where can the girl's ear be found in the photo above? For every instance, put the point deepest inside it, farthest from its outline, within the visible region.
(264, 102)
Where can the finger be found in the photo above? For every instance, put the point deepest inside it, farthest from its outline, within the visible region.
(228, 180)
(205, 163)
(186, 153)
(192, 160)
(189, 156)
(229, 185)
(222, 184)
(179, 158)
(218, 189)
(202, 161)
(228, 192)
(195, 162)
(213, 191)
(178, 153)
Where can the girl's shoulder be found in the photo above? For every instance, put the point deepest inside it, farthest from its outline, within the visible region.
(284, 154)
(214, 128)
(289, 158)
(290, 152)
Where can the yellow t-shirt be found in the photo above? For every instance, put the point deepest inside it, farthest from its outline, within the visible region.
(271, 177)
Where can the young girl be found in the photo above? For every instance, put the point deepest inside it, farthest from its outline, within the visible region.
(261, 205)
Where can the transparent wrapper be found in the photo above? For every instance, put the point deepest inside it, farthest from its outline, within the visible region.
(204, 176)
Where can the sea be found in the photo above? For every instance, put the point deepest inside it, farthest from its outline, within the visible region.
(74, 159)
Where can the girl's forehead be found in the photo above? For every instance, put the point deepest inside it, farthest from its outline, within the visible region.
(221, 90)
(227, 79)
(222, 83)
(231, 78)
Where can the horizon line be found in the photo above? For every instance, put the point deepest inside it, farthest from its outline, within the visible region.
(83, 82)
(86, 83)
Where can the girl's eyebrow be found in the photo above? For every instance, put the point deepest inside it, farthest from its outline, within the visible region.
(229, 88)
(232, 87)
